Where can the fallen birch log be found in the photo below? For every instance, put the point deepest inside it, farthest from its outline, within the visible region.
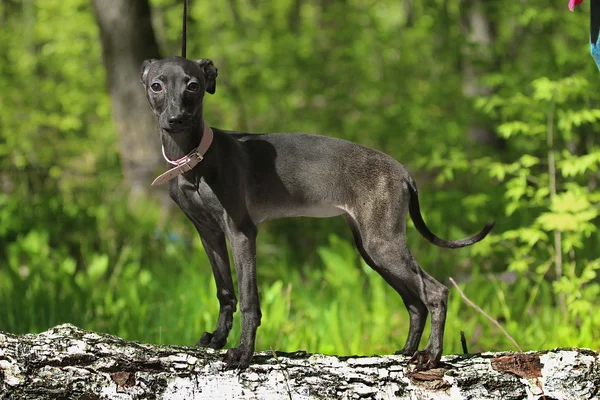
(70, 363)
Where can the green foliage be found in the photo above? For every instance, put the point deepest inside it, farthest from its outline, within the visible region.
(549, 190)
(386, 74)
(357, 314)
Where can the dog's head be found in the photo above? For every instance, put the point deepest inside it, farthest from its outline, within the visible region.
(175, 88)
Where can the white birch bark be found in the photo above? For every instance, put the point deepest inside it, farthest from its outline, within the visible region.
(69, 363)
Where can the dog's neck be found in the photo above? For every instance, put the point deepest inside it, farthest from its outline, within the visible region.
(200, 150)
(187, 162)
(177, 145)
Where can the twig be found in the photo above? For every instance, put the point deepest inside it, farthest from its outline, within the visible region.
(284, 372)
(475, 306)
(513, 341)
(463, 342)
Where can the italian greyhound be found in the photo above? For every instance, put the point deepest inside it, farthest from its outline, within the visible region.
(228, 182)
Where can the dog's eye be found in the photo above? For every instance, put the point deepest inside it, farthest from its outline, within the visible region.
(193, 86)
(156, 87)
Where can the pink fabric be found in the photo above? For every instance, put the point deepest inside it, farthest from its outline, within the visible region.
(573, 3)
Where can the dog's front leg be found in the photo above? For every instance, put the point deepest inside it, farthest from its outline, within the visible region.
(243, 247)
(216, 250)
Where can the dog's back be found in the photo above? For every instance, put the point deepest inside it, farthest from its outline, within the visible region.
(317, 177)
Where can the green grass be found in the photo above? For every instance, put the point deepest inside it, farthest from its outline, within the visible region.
(342, 307)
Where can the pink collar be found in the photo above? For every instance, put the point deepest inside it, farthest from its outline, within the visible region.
(188, 162)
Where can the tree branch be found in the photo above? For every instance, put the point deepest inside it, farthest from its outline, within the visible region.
(68, 362)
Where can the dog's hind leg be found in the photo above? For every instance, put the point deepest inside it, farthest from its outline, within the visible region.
(421, 294)
(418, 316)
(379, 224)
(435, 296)
(417, 310)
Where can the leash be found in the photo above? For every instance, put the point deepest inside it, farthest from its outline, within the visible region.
(184, 29)
(193, 158)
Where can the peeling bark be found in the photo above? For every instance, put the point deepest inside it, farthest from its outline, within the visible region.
(69, 363)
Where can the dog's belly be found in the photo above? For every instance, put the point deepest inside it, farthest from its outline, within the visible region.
(317, 211)
(314, 211)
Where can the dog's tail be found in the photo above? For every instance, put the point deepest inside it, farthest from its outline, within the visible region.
(415, 214)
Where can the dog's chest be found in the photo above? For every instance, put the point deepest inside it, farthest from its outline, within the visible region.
(197, 201)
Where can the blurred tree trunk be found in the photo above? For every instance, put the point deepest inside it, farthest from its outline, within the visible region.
(127, 40)
(294, 16)
(477, 57)
(6, 6)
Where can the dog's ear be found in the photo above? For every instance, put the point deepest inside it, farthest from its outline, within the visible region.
(145, 67)
(210, 72)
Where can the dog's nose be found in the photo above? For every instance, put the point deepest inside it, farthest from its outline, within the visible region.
(175, 120)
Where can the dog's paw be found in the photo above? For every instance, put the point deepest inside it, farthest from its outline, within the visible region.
(238, 357)
(211, 340)
(424, 360)
(405, 352)
(205, 340)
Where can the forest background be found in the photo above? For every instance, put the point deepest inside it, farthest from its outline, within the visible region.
(492, 105)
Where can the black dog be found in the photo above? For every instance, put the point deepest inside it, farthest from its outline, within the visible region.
(226, 183)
